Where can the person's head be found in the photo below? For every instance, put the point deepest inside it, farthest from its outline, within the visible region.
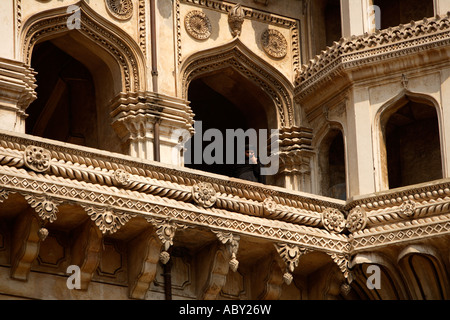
(249, 151)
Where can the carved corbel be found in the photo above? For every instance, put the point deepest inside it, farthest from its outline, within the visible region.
(106, 219)
(236, 17)
(45, 207)
(342, 261)
(165, 229)
(4, 194)
(143, 257)
(290, 255)
(231, 242)
(25, 244)
(86, 251)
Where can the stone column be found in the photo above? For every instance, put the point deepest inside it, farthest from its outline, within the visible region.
(295, 159)
(360, 164)
(445, 122)
(441, 7)
(17, 84)
(355, 17)
(148, 120)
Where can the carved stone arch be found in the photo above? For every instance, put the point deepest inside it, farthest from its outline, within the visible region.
(424, 272)
(322, 142)
(391, 283)
(381, 119)
(237, 56)
(118, 50)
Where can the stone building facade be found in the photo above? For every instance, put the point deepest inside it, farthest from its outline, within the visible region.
(94, 95)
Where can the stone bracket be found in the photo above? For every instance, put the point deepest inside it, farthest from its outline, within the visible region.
(25, 244)
(86, 251)
(143, 257)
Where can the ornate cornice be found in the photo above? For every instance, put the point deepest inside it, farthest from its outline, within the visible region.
(357, 52)
(113, 189)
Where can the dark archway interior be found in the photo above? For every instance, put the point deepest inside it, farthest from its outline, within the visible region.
(396, 12)
(226, 100)
(413, 145)
(66, 106)
(332, 164)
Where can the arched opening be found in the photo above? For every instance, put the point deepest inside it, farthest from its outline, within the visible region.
(332, 165)
(81, 72)
(412, 143)
(326, 23)
(396, 12)
(66, 106)
(74, 89)
(226, 101)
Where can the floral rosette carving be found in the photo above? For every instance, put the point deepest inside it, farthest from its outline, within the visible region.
(197, 24)
(270, 206)
(37, 159)
(356, 219)
(274, 43)
(120, 9)
(407, 209)
(121, 177)
(204, 194)
(333, 220)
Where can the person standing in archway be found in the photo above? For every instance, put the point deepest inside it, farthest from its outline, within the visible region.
(251, 169)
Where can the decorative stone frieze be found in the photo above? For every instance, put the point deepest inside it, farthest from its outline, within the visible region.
(197, 25)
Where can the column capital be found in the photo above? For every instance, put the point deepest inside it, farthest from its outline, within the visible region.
(17, 85)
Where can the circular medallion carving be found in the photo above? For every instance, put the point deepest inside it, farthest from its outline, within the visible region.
(333, 220)
(274, 43)
(356, 219)
(197, 24)
(37, 159)
(120, 9)
(204, 194)
(121, 177)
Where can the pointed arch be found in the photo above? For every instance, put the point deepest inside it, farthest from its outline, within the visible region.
(237, 56)
(382, 119)
(119, 51)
